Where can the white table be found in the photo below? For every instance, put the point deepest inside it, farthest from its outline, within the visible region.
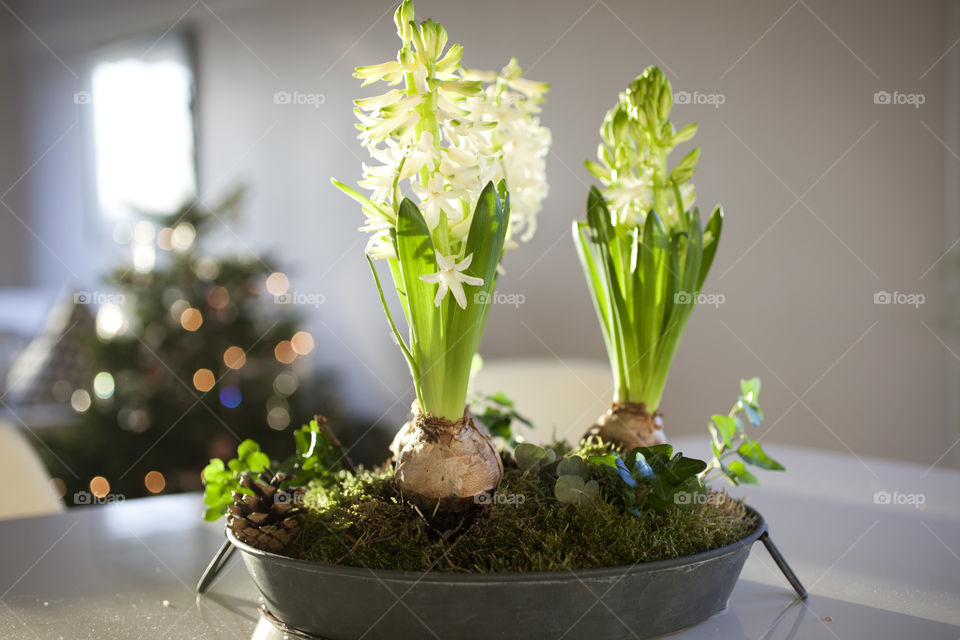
(873, 570)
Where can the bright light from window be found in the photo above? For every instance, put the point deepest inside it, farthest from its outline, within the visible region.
(143, 132)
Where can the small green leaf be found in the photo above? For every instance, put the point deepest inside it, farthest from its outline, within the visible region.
(726, 427)
(665, 450)
(684, 468)
(573, 465)
(530, 455)
(609, 460)
(753, 453)
(740, 472)
(569, 489)
(212, 514)
(750, 389)
(754, 415)
(572, 489)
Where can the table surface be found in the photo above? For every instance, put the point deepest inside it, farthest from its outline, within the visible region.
(874, 567)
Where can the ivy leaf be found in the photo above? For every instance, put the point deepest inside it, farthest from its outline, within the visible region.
(318, 455)
(615, 463)
(684, 468)
(753, 453)
(222, 481)
(750, 390)
(498, 415)
(640, 464)
(501, 398)
(754, 414)
(726, 426)
(740, 473)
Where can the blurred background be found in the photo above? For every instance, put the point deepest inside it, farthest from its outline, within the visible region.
(177, 271)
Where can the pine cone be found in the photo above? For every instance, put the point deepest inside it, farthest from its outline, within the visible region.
(270, 518)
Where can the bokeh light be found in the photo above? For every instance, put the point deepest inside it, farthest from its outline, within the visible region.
(277, 283)
(136, 420)
(285, 383)
(164, 238)
(103, 385)
(284, 352)
(206, 269)
(144, 232)
(204, 380)
(230, 397)
(177, 307)
(183, 236)
(110, 321)
(218, 297)
(234, 357)
(58, 486)
(99, 486)
(278, 418)
(302, 342)
(80, 400)
(191, 319)
(154, 481)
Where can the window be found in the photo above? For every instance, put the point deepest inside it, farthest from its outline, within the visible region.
(141, 98)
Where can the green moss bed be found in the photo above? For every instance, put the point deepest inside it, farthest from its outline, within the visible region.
(361, 521)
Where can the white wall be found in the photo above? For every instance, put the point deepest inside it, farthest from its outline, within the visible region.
(798, 121)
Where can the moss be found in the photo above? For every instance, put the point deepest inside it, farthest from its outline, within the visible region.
(362, 522)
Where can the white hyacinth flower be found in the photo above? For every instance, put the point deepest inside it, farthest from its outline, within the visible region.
(450, 277)
(440, 134)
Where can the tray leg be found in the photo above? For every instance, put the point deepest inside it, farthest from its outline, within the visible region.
(784, 567)
(215, 567)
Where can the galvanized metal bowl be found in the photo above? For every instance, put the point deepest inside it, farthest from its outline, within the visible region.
(640, 600)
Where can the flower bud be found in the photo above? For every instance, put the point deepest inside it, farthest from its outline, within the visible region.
(434, 39)
(403, 18)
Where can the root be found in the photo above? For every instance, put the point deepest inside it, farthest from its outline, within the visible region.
(629, 425)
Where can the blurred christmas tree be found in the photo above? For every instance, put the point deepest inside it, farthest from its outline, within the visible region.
(192, 354)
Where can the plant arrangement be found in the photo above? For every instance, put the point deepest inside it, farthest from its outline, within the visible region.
(644, 252)
(460, 173)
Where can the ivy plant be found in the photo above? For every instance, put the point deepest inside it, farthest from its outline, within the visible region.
(318, 456)
(498, 414)
(733, 449)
